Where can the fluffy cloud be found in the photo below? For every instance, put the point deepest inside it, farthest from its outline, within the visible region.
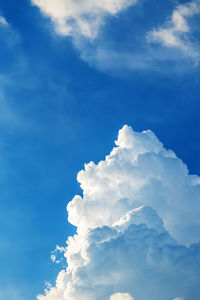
(138, 172)
(120, 296)
(138, 227)
(82, 17)
(176, 32)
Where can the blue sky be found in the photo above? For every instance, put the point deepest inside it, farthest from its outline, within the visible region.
(63, 98)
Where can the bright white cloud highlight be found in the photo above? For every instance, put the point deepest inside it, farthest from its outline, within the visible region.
(81, 17)
(120, 296)
(176, 31)
(138, 172)
(138, 227)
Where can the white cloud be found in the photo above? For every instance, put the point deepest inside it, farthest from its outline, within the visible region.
(138, 167)
(81, 17)
(138, 227)
(84, 21)
(3, 21)
(177, 32)
(121, 296)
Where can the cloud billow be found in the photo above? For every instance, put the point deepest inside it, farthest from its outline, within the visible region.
(138, 227)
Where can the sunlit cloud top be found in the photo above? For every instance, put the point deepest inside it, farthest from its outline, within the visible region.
(137, 226)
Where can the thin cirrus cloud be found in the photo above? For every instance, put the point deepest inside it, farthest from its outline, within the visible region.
(138, 227)
(86, 22)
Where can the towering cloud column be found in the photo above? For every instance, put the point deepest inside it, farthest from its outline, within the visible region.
(138, 227)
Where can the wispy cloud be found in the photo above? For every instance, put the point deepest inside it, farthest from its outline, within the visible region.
(137, 226)
(3, 21)
(81, 17)
(177, 32)
(86, 22)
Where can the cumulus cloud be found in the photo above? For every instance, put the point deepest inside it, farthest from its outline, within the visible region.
(82, 17)
(138, 227)
(177, 32)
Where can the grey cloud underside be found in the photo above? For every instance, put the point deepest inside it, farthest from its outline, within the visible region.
(138, 227)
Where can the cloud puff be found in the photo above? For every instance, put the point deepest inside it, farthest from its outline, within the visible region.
(82, 17)
(138, 172)
(176, 32)
(120, 296)
(138, 227)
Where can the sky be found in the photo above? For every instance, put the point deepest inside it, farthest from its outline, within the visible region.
(114, 82)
